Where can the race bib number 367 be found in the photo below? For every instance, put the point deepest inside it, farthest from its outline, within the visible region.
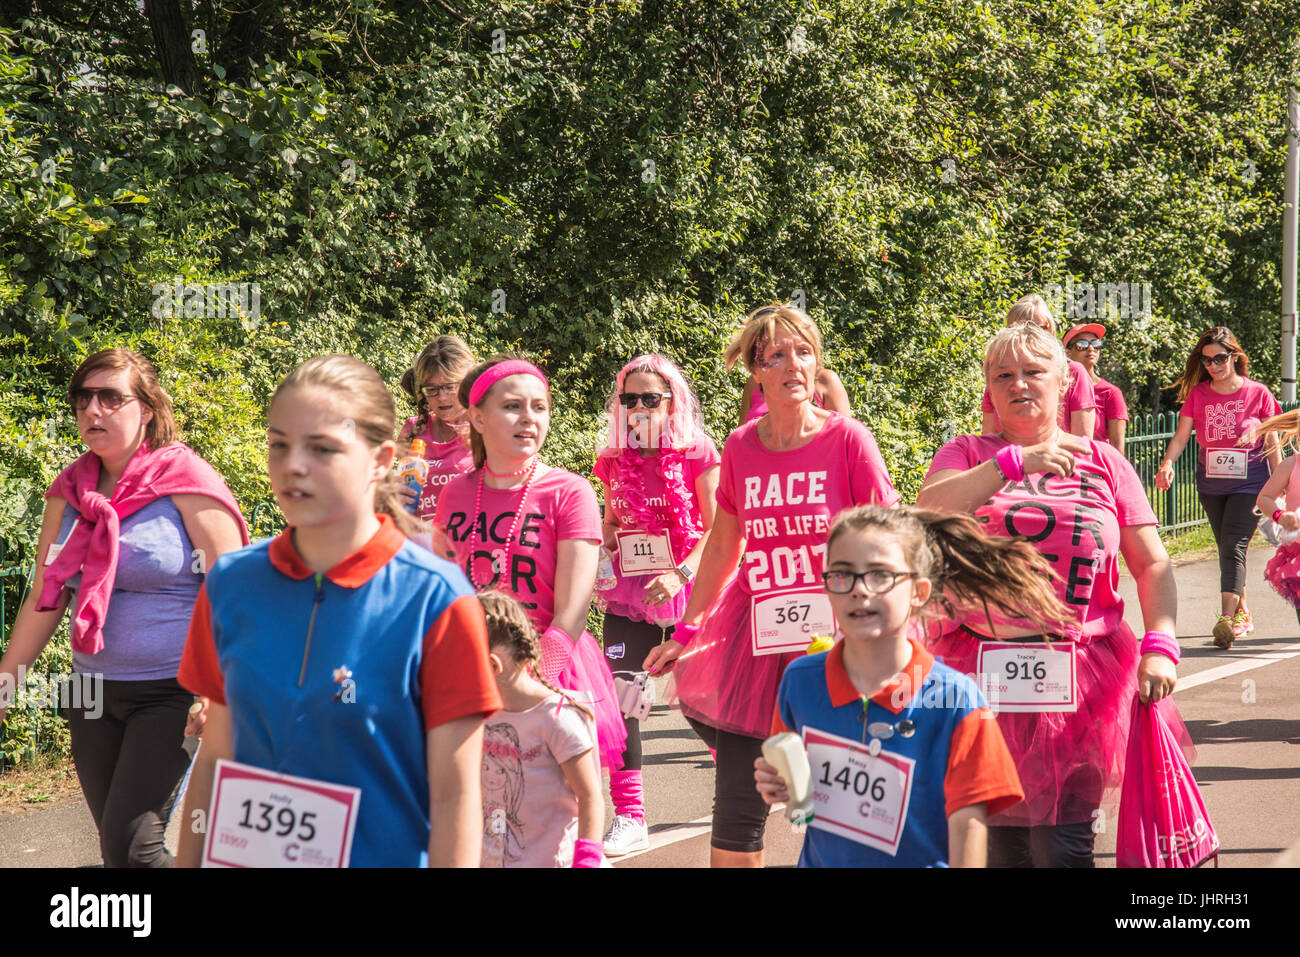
(788, 621)
(858, 795)
(262, 819)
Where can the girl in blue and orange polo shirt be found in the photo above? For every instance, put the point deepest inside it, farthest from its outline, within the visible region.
(907, 761)
(338, 651)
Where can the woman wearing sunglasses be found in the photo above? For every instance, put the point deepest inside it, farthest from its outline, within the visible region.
(440, 420)
(758, 601)
(1232, 464)
(129, 530)
(1063, 700)
(660, 475)
(1083, 345)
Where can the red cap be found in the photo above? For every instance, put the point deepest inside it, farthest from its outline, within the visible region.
(1095, 328)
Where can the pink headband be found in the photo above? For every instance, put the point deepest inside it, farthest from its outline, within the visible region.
(498, 372)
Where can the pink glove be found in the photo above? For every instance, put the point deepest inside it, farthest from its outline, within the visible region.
(557, 646)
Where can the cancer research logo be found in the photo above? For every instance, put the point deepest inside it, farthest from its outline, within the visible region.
(1099, 300)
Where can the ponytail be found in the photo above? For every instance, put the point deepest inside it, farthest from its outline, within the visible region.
(968, 568)
(510, 630)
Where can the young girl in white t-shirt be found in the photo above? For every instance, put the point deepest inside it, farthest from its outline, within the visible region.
(542, 805)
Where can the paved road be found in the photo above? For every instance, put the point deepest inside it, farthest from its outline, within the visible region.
(1242, 708)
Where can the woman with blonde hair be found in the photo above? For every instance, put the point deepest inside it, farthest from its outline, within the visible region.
(440, 421)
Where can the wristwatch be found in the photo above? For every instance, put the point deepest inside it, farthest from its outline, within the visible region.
(684, 573)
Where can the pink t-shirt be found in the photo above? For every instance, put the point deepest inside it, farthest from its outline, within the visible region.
(446, 461)
(1079, 397)
(1110, 407)
(699, 458)
(1220, 421)
(530, 814)
(1074, 522)
(785, 501)
(560, 506)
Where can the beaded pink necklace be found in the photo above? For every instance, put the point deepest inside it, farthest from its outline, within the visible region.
(500, 557)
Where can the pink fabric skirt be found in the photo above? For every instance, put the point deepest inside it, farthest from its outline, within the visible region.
(627, 599)
(1283, 572)
(720, 681)
(587, 671)
(1071, 764)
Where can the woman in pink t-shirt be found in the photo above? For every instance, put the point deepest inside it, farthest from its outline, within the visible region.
(828, 393)
(1233, 461)
(758, 600)
(440, 422)
(1064, 701)
(531, 531)
(660, 474)
(1084, 343)
(1077, 409)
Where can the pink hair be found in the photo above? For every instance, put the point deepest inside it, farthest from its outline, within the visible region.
(684, 424)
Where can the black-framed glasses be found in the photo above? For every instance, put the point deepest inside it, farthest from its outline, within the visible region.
(448, 389)
(1218, 360)
(1084, 344)
(877, 580)
(110, 400)
(650, 400)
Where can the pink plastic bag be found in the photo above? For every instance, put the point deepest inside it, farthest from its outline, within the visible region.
(1162, 819)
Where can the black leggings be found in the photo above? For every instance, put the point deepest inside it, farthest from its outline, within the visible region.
(739, 811)
(1232, 518)
(131, 760)
(1052, 845)
(627, 643)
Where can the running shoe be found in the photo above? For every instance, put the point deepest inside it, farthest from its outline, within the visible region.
(1223, 632)
(1250, 622)
(1241, 625)
(626, 835)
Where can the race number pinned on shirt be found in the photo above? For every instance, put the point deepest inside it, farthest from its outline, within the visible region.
(1028, 677)
(1225, 463)
(643, 553)
(858, 795)
(788, 620)
(262, 819)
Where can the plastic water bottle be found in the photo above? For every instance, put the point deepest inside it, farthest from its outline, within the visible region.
(413, 472)
(605, 577)
(786, 753)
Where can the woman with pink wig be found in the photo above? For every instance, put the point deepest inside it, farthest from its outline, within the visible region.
(660, 475)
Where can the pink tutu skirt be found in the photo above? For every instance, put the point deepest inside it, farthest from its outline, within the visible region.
(587, 671)
(1283, 572)
(627, 600)
(1070, 764)
(720, 681)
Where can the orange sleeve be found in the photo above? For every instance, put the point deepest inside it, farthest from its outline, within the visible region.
(200, 671)
(980, 769)
(455, 675)
(777, 724)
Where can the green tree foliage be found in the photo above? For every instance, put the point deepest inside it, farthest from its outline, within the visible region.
(587, 181)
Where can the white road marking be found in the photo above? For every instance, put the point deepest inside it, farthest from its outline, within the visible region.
(1249, 663)
(682, 832)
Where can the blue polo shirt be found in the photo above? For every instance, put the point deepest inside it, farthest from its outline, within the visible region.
(961, 758)
(268, 635)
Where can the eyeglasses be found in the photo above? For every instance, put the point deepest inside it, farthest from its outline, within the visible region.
(431, 390)
(1082, 345)
(1218, 360)
(877, 580)
(110, 400)
(650, 400)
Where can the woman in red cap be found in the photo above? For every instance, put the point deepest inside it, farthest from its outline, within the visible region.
(1083, 344)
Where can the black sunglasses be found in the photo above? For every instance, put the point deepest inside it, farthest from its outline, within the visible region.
(650, 400)
(109, 399)
(1218, 360)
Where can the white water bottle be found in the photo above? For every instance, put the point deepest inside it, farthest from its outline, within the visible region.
(786, 753)
(605, 577)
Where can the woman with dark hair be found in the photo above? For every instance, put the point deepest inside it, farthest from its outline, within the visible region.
(128, 534)
(1232, 464)
(439, 422)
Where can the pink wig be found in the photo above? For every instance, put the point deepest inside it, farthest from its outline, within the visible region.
(685, 422)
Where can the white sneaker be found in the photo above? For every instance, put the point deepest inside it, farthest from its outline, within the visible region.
(626, 835)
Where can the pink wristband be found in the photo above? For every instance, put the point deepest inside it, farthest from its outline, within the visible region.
(683, 633)
(1011, 462)
(1159, 643)
(586, 853)
(557, 646)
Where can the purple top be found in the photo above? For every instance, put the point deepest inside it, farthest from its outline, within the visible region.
(153, 596)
